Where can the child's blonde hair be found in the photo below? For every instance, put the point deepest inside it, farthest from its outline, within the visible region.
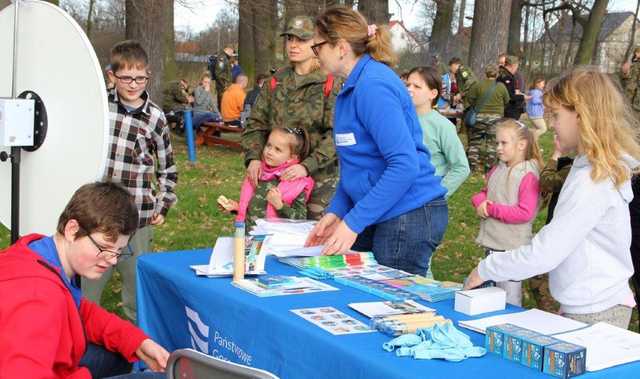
(532, 152)
(607, 127)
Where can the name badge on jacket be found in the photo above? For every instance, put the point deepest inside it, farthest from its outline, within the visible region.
(345, 139)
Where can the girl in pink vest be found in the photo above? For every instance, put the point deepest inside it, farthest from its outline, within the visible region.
(508, 205)
(273, 197)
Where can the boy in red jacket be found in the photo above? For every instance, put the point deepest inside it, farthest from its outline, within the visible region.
(47, 329)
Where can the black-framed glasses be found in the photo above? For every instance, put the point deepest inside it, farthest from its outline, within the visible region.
(129, 79)
(109, 254)
(316, 47)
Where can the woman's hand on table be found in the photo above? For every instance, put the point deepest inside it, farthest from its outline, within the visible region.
(323, 229)
(340, 241)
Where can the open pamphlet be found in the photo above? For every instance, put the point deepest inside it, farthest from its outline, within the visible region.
(332, 320)
(607, 345)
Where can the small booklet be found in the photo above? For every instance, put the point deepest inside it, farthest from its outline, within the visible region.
(332, 320)
(389, 308)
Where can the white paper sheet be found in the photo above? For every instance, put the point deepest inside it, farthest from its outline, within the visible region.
(607, 345)
(387, 308)
(312, 251)
(534, 319)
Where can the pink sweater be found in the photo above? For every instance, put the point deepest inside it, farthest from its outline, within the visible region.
(513, 203)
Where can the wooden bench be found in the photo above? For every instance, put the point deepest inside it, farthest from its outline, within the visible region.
(213, 135)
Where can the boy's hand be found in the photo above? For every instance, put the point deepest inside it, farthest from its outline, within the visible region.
(157, 219)
(153, 355)
(274, 197)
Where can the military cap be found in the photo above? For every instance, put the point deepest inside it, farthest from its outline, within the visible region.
(301, 27)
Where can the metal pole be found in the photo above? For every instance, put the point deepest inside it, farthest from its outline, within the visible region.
(15, 151)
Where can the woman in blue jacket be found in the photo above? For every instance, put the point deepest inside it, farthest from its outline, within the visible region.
(388, 200)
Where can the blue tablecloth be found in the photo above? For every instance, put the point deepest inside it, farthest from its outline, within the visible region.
(180, 310)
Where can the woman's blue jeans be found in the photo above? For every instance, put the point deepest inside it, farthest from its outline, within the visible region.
(406, 242)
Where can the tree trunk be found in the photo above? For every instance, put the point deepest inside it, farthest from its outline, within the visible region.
(145, 20)
(264, 33)
(489, 33)
(590, 32)
(527, 41)
(170, 69)
(375, 11)
(515, 24)
(441, 31)
(461, 12)
(627, 54)
(92, 4)
(246, 52)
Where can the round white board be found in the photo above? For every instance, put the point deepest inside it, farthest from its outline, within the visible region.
(57, 61)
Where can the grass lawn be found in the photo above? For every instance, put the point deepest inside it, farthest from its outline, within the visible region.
(196, 222)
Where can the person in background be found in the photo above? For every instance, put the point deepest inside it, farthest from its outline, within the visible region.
(489, 99)
(535, 107)
(439, 134)
(509, 76)
(221, 67)
(233, 101)
(252, 96)
(204, 109)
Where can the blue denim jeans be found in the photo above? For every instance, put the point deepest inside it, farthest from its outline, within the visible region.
(406, 242)
(103, 363)
(200, 117)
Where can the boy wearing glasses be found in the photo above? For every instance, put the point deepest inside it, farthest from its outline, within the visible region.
(47, 328)
(140, 159)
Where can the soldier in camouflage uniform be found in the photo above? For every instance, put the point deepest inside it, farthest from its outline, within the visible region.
(176, 96)
(631, 80)
(481, 150)
(299, 95)
(465, 81)
(220, 67)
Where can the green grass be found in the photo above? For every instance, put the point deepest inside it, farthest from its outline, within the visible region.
(196, 222)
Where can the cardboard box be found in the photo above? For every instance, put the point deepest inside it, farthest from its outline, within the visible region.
(564, 360)
(481, 300)
(494, 337)
(533, 350)
(513, 343)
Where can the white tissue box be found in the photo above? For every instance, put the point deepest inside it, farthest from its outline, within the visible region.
(481, 300)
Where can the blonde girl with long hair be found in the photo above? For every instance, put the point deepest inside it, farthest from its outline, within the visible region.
(585, 247)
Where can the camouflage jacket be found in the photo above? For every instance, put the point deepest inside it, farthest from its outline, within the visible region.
(222, 72)
(631, 81)
(465, 80)
(296, 101)
(258, 205)
(175, 98)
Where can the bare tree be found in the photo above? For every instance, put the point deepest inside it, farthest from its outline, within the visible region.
(246, 51)
(441, 30)
(146, 22)
(489, 32)
(515, 26)
(375, 11)
(461, 12)
(632, 39)
(92, 4)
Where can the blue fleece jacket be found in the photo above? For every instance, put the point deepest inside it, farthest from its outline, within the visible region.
(385, 168)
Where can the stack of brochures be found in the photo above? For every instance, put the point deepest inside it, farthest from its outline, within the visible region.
(426, 289)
